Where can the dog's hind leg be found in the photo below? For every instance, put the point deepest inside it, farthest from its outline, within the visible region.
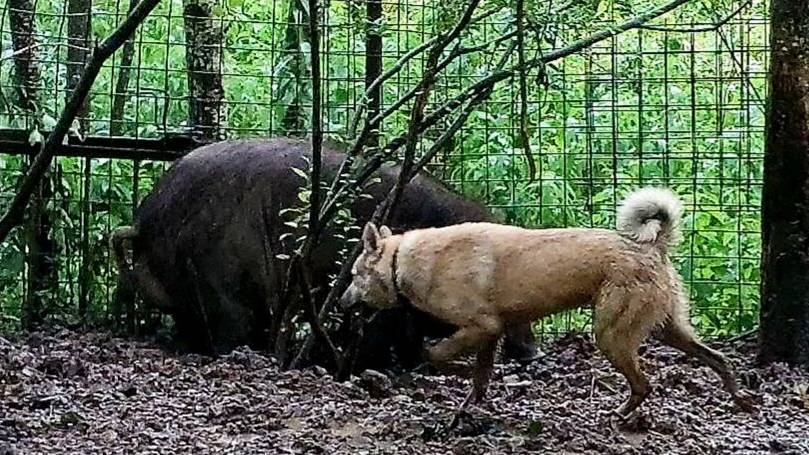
(622, 352)
(679, 334)
(621, 322)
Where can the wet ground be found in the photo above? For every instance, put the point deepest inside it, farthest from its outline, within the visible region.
(72, 393)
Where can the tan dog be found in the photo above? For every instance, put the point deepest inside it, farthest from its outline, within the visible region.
(482, 277)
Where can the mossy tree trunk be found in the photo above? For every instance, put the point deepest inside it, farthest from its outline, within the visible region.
(123, 301)
(295, 91)
(41, 252)
(122, 84)
(204, 36)
(79, 27)
(784, 333)
(373, 61)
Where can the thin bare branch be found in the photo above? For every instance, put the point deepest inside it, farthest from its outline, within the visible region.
(314, 323)
(522, 76)
(395, 69)
(19, 52)
(443, 40)
(447, 135)
(460, 51)
(539, 62)
(412, 93)
(337, 191)
(708, 28)
(420, 104)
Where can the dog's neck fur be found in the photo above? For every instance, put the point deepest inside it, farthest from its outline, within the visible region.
(392, 247)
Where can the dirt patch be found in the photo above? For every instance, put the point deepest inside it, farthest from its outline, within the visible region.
(70, 393)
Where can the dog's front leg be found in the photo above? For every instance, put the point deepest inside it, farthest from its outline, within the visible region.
(462, 341)
(485, 330)
(482, 336)
(482, 373)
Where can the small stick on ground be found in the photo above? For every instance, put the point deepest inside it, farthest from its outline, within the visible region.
(456, 416)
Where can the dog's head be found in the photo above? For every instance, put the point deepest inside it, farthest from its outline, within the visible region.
(372, 273)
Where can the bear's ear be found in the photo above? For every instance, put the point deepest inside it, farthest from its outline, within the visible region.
(370, 238)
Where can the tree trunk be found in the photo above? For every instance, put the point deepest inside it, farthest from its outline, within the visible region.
(124, 296)
(41, 249)
(784, 333)
(23, 37)
(78, 46)
(122, 84)
(294, 121)
(373, 62)
(78, 51)
(204, 36)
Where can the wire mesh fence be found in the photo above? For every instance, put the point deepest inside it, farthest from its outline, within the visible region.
(680, 103)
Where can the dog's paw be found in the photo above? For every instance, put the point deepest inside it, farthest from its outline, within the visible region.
(625, 411)
(634, 422)
(611, 414)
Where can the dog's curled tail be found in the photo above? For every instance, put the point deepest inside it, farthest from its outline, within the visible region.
(651, 215)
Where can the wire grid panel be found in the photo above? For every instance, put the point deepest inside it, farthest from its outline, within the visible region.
(647, 107)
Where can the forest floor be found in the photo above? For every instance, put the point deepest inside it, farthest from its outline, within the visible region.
(91, 393)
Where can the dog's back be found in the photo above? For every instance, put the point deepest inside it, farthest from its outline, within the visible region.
(518, 273)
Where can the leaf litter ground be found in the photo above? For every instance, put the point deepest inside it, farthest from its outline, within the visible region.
(70, 393)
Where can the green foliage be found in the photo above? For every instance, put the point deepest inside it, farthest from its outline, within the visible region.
(684, 110)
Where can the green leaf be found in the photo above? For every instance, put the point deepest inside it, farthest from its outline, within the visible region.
(301, 173)
(339, 96)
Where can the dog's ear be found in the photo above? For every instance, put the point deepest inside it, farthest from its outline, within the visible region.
(384, 232)
(370, 238)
